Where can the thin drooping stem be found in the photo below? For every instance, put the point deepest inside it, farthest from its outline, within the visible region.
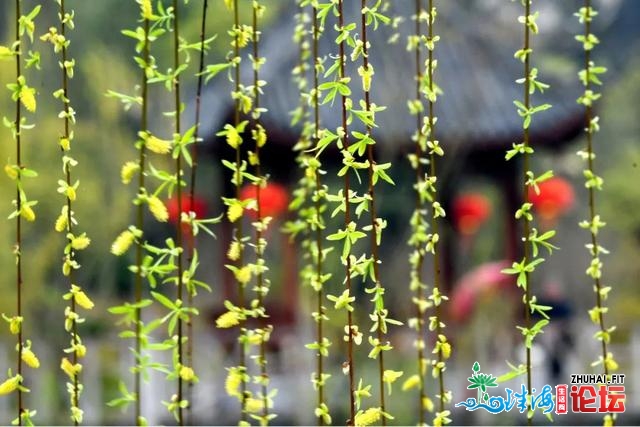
(434, 214)
(260, 282)
(18, 249)
(140, 224)
(238, 227)
(417, 247)
(192, 191)
(588, 115)
(525, 198)
(318, 208)
(372, 209)
(347, 220)
(178, 167)
(596, 249)
(194, 151)
(75, 396)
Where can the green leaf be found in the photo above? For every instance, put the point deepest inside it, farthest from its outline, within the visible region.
(512, 374)
(537, 328)
(212, 70)
(121, 309)
(164, 300)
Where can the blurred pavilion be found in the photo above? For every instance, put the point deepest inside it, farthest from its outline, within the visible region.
(477, 121)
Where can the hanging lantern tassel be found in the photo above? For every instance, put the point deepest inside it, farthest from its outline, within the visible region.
(554, 199)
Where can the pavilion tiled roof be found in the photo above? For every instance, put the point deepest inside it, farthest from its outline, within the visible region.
(476, 71)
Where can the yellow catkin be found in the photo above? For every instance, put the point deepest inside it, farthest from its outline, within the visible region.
(254, 339)
(445, 347)
(61, 221)
(233, 137)
(235, 212)
(28, 98)
(122, 243)
(368, 417)
(234, 251)
(186, 373)
(10, 385)
(260, 136)
(157, 145)
(69, 368)
(27, 213)
(80, 242)
(128, 171)
(244, 37)
(439, 420)
(147, 9)
(158, 209)
(81, 298)
(70, 192)
(228, 320)
(411, 382)
(610, 363)
(233, 382)
(77, 414)
(67, 265)
(11, 172)
(30, 358)
(427, 404)
(80, 349)
(253, 405)
(14, 325)
(243, 275)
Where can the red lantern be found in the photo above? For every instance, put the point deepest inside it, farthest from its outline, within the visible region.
(555, 198)
(199, 207)
(274, 199)
(470, 211)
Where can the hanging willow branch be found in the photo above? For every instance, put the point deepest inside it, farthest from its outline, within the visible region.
(442, 348)
(259, 406)
(339, 89)
(309, 201)
(23, 96)
(179, 238)
(349, 226)
(144, 127)
(530, 237)
(369, 17)
(17, 131)
(191, 216)
(66, 222)
(240, 276)
(589, 76)
(157, 262)
(418, 224)
(134, 233)
(236, 315)
(317, 225)
(19, 208)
